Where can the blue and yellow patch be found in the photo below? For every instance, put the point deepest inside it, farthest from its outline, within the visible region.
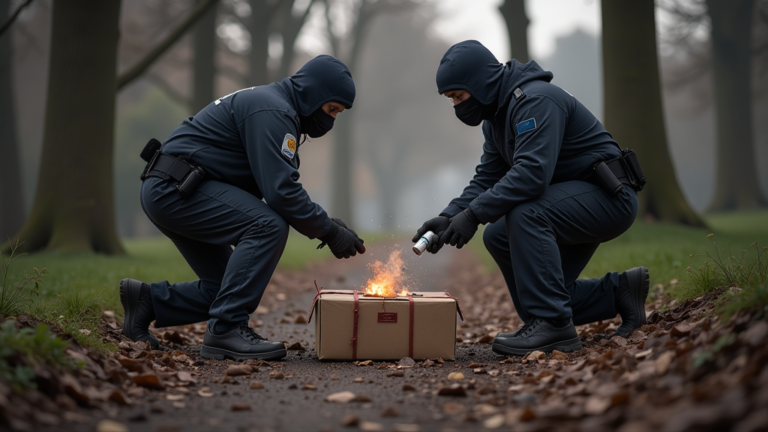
(289, 146)
(526, 125)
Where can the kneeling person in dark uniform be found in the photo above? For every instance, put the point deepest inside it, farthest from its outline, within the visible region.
(204, 188)
(552, 184)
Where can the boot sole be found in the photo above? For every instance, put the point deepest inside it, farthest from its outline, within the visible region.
(129, 298)
(639, 283)
(212, 353)
(569, 345)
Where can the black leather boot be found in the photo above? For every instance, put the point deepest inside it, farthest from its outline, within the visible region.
(139, 313)
(539, 335)
(630, 299)
(512, 334)
(240, 343)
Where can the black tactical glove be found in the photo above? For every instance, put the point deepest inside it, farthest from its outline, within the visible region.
(343, 242)
(341, 223)
(437, 225)
(463, 226)
(344, 225)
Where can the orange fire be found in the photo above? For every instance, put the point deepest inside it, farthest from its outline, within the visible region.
(388, 278)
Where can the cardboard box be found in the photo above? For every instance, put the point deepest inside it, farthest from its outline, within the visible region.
(351, 326)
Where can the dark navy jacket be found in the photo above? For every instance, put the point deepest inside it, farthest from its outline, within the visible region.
(250, 139)
(546, 137)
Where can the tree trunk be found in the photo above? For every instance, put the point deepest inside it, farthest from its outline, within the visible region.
(390, 159)
(290, 32)
(343, 151)
(11, 202)
(73, 208)
(387, 185)
(517, 21)
(204, 62)
(258, 27)
(342, 162)
(737, 185)
(633, 106)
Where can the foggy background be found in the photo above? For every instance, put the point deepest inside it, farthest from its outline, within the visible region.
(412, 155)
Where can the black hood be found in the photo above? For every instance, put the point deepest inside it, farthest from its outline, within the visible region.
(322, 79)
(470, 66)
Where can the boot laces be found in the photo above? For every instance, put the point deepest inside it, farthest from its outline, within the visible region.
(528, 326)
(250, 334)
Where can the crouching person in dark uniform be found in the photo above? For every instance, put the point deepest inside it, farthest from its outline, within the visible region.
(204, 188)
(552, 185)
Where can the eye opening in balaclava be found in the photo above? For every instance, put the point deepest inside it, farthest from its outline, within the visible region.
(321, 80)
(470, 66)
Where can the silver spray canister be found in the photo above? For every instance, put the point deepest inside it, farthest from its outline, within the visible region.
(425, 240)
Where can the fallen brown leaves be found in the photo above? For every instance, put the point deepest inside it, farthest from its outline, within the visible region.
(685, 370)
(121, 378)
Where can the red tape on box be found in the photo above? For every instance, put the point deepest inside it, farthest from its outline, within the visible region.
(410, 330)
(354, 330)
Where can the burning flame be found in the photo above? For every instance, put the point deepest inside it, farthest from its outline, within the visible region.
(387, 280)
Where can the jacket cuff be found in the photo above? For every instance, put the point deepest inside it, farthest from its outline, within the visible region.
(451, 211)
(327, 226)
(471, 216)
(480, 214)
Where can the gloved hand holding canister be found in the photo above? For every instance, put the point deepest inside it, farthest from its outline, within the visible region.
(437, 225)
(342, 241)
(462, 228)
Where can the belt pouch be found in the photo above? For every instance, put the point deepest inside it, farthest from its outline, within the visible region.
(633, 166)
(191, 182)
(149, 154)
(607, 179)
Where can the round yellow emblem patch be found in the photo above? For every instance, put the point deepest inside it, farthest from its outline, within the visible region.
(291, 143)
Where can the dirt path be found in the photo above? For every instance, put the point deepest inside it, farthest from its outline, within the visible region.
(684, 371)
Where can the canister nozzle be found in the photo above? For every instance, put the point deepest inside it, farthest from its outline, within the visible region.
(428, 238)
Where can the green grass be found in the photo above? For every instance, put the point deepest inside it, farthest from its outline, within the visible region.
(752, 300)
(666, 249)
(746, 223)
(148, 259)
(21, 350)
(78, 286)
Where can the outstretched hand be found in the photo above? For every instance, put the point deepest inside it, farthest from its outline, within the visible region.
(342, 241)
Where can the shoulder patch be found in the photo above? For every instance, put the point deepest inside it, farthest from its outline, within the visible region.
(526, 125)
(289, 146)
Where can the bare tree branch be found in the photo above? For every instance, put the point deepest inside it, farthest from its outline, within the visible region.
(688, 78)
(333, 40)
(763, 12)
(142, 65)
(9, 21)
(290, 33)
(168, 89)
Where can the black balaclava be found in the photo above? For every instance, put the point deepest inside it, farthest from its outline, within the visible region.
(317, 124)
(471, 67)
(472, 112)
(322, 79)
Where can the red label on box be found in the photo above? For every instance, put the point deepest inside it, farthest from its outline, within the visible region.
(387, 317)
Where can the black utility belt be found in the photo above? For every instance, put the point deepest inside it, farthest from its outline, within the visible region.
(170, 168)
(612, 174)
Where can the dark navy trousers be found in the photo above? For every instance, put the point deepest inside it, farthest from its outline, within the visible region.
(542, 246)
(204, 227)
